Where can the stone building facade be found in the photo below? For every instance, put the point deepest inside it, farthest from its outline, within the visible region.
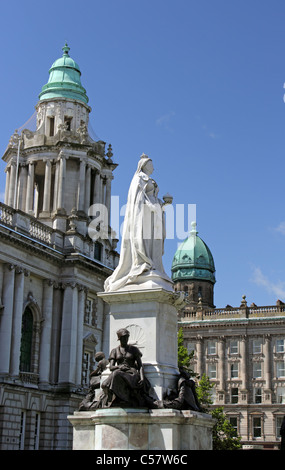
(55, 254)
(241, 350)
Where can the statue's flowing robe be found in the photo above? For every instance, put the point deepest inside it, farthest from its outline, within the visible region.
(143, 236)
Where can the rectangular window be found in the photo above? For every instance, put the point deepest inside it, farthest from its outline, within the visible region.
(280, 369)
(257, 370)
(51, 126)
(234, 395)
(211, 348)
(234, 347)
(257, 346)
(86, 368)
(98, 251)
(234, 370)
(88, 311)
(67, 122)
(278, 423)
(280, 346)
(234, 422)
(256, 424)
(22, 430)
(212, 371)
(280, 395)
(257, 395)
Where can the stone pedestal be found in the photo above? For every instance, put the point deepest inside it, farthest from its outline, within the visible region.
(151, 318)
(141, 429)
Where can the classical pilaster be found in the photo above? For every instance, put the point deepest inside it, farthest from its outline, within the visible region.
(7, 317)
(61, 182)
(13, 170)
(108, 198)
(68, 344)
(55, 189)
(267, 368)
(200, 356)
(30, 188)
(45, 344)
(17, 321)
(221, 364)
(97, 189)
(7, 171)
(22, 193)
(87, 189)
(243, 369)
(81, 186)
(47, 188)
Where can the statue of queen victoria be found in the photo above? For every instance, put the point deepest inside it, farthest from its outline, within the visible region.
(143, 236)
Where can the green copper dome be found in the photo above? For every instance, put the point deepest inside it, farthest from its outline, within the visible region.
(64, 80)
(193, 260)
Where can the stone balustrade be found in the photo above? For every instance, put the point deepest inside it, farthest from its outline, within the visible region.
(238, 312)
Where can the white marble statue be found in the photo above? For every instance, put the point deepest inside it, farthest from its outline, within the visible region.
(143, 237)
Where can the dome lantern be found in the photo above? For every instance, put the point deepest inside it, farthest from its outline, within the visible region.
(64, 80)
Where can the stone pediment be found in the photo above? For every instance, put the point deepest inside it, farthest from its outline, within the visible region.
(90, 338)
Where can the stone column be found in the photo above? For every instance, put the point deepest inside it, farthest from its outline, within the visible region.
(17, 321)
(200, 356)
(81, 186)
(13, 169)
(80, 320)
(7, 171)
(97, 189)
(45, 343)
(61, 182)
(68, 344)
(47, 187)
(87, 189)
(55, 189)
(30, 188)
(243, 352)
(22, 196)
(267, 356)
(221, 364)
(108, 198)
(7, 318)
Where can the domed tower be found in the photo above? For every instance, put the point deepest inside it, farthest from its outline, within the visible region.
(58, 172)
(193, 270)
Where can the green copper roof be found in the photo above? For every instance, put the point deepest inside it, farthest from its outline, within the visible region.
(64, 80)
(193, 260)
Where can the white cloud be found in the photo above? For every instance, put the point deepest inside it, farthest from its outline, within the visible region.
(209, 133)
(281, 228)
(213, 135)
(276, 288)
(165, 120)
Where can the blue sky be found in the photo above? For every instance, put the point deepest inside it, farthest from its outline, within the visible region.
(196, 85)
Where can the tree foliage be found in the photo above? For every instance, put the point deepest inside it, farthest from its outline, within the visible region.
(183, 355)
(224, 434)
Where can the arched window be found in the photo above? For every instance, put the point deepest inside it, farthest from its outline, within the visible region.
(26, 341)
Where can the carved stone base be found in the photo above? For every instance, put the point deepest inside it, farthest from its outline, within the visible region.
(141, 429)
(150, 315)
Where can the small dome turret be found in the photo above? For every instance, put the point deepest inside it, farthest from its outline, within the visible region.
(64, 80)
(193, 260)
